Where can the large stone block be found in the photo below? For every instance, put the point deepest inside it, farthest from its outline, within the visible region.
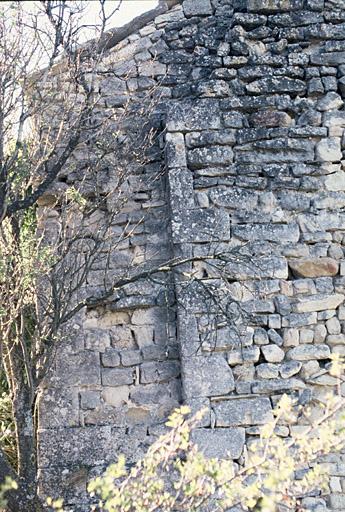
(318, 302)
(211, 156)
(201, 225)
(314, 267)
(117, 376)
(309, 352)
(185, 116)
(276, 85)
(197, 7)
(206, 376)
(84, 446)
(271, 232)
(234, 197)
(243, 412)
(220, 443)
(159, 372)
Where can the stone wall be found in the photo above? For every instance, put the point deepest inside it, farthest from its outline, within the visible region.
(252, 97)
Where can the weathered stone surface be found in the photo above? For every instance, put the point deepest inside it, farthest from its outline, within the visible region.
(329, 150)
(276, 85)
(309, 352)
(336, 181)
(271, 232)
(243, 412)
(111, 358)
(331, 101)
(197, 7)
(190, 115)
(314, 267)
(272, 353)
(287, 370)
(79, 445)
(117, 376)
(207, 157)
(201, 225)
(219, 442)
(318, 302)
(207, 376)
(277, 385)
(234, 198)
(159, 372)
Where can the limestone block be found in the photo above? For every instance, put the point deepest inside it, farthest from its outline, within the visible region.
(243, 412)
(331, 101)
(306, 336)
(181, 188)
(159, 372)
(90, 399)
(333, 326)
(111, 358)
(201, 225)
(207, 376)
(329, 150)
(337, 501)
(271, 267)
(274, 322)
(271, 232)
(130, 357)
(115, 396)
(290, 337)
(245, 355)
(77, 445)
(309, 368)
(287, 370)
(275, 337)
(318, 302)
(276, 85)
(97, 339)
(309, 352)
(267, 371)
(117, 376)
(272, 353)
(270, 118)
(189, 115)
(260, 336)
(234, 197)
(210, 156)
(299, 319)
(334, 119)
(277, 385)
(175, 150)
(314, 267)
(272, 6)
(197, 7)
(320, 333)
(77, 369)
(335, 182)
(335, 339)
(220, 443)
(58, 407)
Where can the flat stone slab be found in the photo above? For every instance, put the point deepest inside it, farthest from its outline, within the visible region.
(319, 302)
(314, 267)
(220, 443)
(207, 376)
(309, 352)
(242, 412)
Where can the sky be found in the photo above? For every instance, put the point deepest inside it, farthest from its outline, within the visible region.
(129, 9)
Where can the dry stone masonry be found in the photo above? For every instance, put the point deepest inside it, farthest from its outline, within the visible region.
(252, 99)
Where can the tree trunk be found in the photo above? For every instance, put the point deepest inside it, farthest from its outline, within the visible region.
(27, 450)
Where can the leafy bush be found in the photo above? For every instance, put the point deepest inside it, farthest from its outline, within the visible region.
(174, 475)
